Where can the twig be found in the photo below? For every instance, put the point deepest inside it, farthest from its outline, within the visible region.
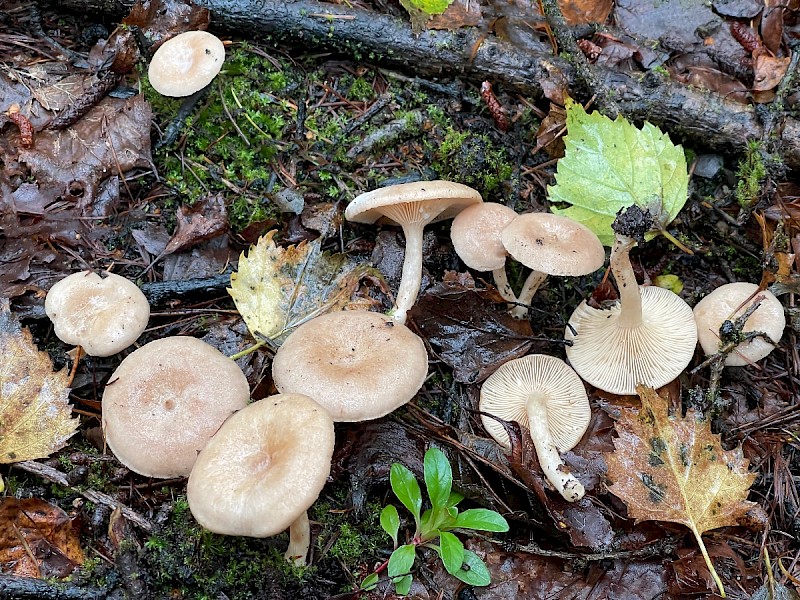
(24, 588)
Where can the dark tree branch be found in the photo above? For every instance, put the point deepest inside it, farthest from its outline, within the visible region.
(697, 116)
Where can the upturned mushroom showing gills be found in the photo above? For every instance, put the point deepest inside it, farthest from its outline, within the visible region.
(476, 239)
(550, 245)
(103, 315)
(166, 400)
(547, 398)
(412, 206)
(263, 469)
(358, 365)
(648, 337)
(728, 302)
(186, 63)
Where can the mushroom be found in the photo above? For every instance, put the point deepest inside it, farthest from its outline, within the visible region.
(648, 337)
(358, 365)
(546, 397)
(263, 469)
(412, 206)
(103, 315)
(186, 63)
(166, 400)
(476, 238)
(728, 302)
(550, 245)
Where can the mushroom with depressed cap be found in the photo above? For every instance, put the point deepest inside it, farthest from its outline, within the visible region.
(728, 302)
(476, 239)
(550, 245)
(103, 315)
(412, 206)
(358, 365)
(186, 63)
(648, 337)
(262, 471)
(547, 398)
(166, 400)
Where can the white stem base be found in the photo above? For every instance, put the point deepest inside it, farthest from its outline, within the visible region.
(299, 540)
(532, 283)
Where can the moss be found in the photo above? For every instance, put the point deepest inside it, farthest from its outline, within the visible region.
(472, 159)
(361, 90)
(751, 173)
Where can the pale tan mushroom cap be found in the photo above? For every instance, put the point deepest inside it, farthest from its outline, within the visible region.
(418, 202)
(476, 235)
(186, 63)
(264, 468)
(103, 315)
(553, 244)
(358, 365)
(719, 305)
(505, 394)
(166, 400)
(617, 359)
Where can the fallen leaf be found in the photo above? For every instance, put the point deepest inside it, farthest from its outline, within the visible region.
(159, 20)
(35, 416)
(768, 70)
(422, 10)
(201, 221)
(37, 539)
(461, 13)
(580, 12)
(668, 468)
(278, 289)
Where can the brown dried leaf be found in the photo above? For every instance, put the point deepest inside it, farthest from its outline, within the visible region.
(37, 539)
(461, 13)
(667, 468)
(579, 12)
(201, 221)
(160, 20)
(35, 417)
(769, 70)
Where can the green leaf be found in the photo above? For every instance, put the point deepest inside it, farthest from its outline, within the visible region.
(452, 552)
(402, 585)
(421, 11)
(370, 582)
(438, 478)
(473, 571)
(390, 521)
(406, 488)
(401, 561)
(481, 519)
(609, 165)
(454, 498)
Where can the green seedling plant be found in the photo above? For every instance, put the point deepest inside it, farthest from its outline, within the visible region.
(433, 527)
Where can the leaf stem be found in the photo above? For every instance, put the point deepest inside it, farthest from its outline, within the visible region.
(707, 558)
(676, 241)
(249, 350)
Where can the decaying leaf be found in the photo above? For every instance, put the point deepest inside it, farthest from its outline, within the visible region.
(278, 289)
(35, 416)
(422, 10)
(578, 12)
(610, 165)
(667, 468)
(37, 539)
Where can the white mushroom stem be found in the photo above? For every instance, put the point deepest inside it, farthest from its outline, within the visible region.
(411, 278)
(550, 460)
(502, 285)
(299, 540)
(532, 283)
(630, 299)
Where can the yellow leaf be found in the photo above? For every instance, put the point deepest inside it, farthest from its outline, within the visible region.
(278, 289)
(35, 415)
(667, 468)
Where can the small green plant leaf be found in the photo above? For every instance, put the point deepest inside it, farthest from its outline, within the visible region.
(609, 165)
(390, 521)
(406, 488)
(452, 552)
(454, 499)
(402, 585)
(473, 571)
(481, 519)
(370, 582)
(421, 11)
(401, 561)
(438, 478)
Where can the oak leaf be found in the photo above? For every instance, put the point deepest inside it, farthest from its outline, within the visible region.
(278, 289)
(668, 468)
(35, 415)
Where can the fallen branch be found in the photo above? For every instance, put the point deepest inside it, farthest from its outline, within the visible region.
(23, 588)
(701, 117)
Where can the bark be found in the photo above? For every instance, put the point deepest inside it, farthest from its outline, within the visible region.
(20, 588)
(700, 117)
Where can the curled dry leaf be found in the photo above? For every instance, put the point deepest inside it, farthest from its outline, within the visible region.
(35, 416)
(667, 468)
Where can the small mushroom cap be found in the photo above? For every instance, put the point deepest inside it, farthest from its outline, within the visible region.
(186, 63)
(263, 469)
(417, 202)
(103, 315)
(616, 359)
(476, 235)
(358, 365)
(166, 400)
(553, 244)
(719, 305)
